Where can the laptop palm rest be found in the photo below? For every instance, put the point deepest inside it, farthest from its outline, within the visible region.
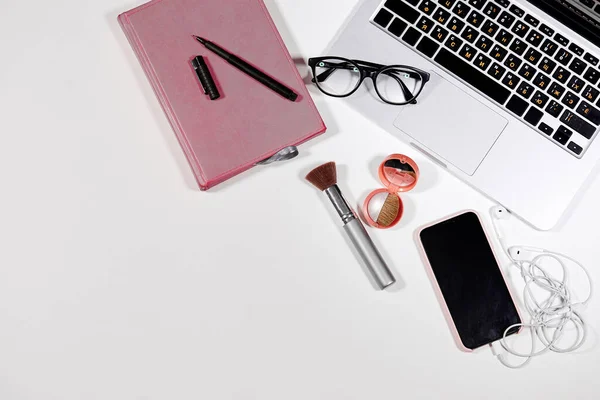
(451, 125)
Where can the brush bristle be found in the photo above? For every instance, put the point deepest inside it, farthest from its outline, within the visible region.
(324, 176)
(389, 211)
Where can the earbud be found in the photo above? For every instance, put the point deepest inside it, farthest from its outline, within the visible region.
(524, 253)
(500, 212)
(497, 213)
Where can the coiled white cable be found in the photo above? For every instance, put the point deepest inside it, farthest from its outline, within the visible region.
(552, 314)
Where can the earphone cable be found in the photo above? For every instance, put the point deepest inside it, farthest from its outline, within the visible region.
(549, 316)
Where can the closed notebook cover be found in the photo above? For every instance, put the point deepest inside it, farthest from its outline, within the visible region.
(249, 122)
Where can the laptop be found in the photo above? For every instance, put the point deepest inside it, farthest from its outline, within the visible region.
(513, 103)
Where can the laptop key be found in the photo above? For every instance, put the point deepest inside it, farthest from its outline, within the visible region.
(511, 80)
(575, 148)
(591, 59)
(513, 62)
(556, 90)
(563, 56)
(413, 2)
(533, 56)
(549, 47)
(546, 129)
(439, 33)
(547, 30)
(467, 52)
(562, 135)
(491, 10)
(533, 116)
(427, 6)
(577, 66)
(427, 46)
(498, 53)
(397, 27)
(561, 75)
(402, 9)
(589, 112)
(570, 100)
(590, 93)
(411, 36)
(554, 108)
(577, 124)
(539, 99)
(504, 37)
(478, 4)
(541, 81)
(441, 16)
(496, 71)
(576, 84)
(518, 46)
(425, 24)
(525, 90)
(527, 71)
(517, 105)
(547, 65)
(470, 34)
(453, 43)
(503, 3)
(447, 3)
(484, 43)
(383, 17)
(455, 25)
(517, 11)
(461, 9)
(532, 20)
(490, 27)
(535, 38)
(592, 75)
(576, 49)
(589, 3)
(475, 19)
(561, 39)
(472, 76)
(520, 29)
(482, 62)
(506, 19)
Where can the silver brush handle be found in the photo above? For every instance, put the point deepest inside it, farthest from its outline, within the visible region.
(369, 253)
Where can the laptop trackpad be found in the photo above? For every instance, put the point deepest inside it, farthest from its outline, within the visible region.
(451, 124)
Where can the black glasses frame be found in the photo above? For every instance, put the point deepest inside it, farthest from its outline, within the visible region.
(368, 70)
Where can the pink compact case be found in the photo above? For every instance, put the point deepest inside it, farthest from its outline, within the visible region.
(383, 208)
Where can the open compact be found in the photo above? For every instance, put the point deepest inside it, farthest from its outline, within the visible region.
(383, 208)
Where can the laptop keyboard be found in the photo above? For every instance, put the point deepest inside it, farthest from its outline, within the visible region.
(592, 4)
(508, 55)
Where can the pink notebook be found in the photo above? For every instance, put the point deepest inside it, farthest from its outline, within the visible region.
(249, 123)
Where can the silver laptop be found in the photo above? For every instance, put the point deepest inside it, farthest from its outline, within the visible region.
(513, 103)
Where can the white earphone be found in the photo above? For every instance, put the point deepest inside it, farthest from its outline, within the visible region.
(556, 310)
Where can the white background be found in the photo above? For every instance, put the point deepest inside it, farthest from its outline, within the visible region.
(120, 280)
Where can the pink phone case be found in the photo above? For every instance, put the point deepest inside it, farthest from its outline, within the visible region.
(250, 122)
(436, 285)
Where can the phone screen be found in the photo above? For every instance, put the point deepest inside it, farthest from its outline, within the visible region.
(469, 277)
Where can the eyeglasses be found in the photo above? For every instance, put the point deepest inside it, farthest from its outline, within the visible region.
(340, 77)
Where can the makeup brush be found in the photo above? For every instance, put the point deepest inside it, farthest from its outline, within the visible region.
(324, 178)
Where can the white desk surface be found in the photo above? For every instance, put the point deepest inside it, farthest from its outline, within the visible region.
(120, 280)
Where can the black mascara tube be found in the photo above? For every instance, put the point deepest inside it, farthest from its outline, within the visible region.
(206, 79)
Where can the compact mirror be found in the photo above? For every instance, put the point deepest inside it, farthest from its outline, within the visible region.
(383, 208)
(399, 173)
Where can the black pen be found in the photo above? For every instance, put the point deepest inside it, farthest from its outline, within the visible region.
(249, 69)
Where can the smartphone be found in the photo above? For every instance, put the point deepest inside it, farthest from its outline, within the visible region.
(475, 297)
